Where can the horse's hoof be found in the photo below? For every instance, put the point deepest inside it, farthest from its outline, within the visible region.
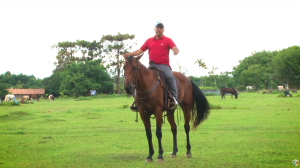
(159, 160)
(189, 155)
(173, 156)
(148, 160)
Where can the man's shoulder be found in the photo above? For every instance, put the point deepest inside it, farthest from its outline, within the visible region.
(151, 38)
(167, 38)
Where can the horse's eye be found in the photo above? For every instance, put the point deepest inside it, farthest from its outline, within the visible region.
(134, 68)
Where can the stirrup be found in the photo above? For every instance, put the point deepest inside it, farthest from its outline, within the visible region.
(134, 108)
(173, 104)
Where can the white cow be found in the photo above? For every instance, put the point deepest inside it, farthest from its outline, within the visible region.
(280, 87)
(249, 87)
(9, 97)
(51, 98)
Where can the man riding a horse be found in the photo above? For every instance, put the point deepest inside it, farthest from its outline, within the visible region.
(159, 47)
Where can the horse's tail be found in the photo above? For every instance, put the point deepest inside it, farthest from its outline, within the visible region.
(201, 111)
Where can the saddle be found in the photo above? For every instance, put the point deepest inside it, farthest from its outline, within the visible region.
(167, 95)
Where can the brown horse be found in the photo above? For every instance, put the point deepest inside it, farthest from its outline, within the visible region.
(229, 90)
(147, 89)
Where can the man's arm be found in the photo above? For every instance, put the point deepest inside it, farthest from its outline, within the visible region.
(135, 53)
(175, 50)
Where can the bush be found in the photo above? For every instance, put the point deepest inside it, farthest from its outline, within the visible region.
(211, 94)
(28, 102)
(241, 88)
(82, 98)
(275, 92)
(11, 103)
(252, 90)
(204, 87)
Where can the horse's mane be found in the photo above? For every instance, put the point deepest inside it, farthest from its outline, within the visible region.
(129, 59)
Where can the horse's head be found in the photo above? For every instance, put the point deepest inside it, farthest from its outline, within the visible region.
(236, 94)
(131, 69)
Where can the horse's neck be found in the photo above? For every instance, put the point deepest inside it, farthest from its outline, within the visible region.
(145, 78)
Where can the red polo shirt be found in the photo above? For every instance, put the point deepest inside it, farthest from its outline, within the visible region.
(159, 49)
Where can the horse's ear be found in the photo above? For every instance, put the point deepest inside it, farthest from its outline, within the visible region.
(138, 57)
(125, 57)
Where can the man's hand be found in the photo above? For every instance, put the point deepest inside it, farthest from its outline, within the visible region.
(175, 50)
(126, 54)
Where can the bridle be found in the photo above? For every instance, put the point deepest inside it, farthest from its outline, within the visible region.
(135, 87)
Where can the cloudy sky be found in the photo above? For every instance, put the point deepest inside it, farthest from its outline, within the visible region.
(219, 32)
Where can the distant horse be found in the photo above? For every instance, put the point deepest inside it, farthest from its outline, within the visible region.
(229, 90)
(51, 98)
(147, 88)
(9, 97)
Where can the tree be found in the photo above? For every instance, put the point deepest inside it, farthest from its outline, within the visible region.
(225, 79)
(116, 45)
(3, 90)
(213, 73)
(202, 65)
(261, 60)
(252, 75)
(195, 79)
(286, 65)
(78, 79)
(68, 52)
(52, 84)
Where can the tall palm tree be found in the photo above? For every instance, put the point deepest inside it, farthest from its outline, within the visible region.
(213, 73)
(202, 65)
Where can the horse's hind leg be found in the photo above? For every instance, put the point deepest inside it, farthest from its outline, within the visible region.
(171, 120)
(147, 125)
(187, 108)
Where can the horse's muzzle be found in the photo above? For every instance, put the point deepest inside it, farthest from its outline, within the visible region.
(129, 89)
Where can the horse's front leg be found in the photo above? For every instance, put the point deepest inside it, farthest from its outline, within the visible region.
(159, 120)
(171, 120)
(147, 124)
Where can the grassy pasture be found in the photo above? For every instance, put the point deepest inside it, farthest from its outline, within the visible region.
(256, 130)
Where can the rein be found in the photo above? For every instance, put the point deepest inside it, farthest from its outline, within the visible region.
(143, 99)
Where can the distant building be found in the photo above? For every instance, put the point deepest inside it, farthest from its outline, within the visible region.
(19, 93)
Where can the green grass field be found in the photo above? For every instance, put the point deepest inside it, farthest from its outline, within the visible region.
(256, 130)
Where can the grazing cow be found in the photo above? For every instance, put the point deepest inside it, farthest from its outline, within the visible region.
(34, 97)
(280, 87)
(26, 97)
(9, 97)
(249, 87)
(51, 98)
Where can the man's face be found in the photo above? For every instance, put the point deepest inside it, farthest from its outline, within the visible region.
(159, 30)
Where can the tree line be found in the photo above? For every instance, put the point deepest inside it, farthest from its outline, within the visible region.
(263, 70)
(79, 67)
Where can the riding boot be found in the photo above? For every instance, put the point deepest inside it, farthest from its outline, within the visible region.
(173, 104)
(133, 107)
